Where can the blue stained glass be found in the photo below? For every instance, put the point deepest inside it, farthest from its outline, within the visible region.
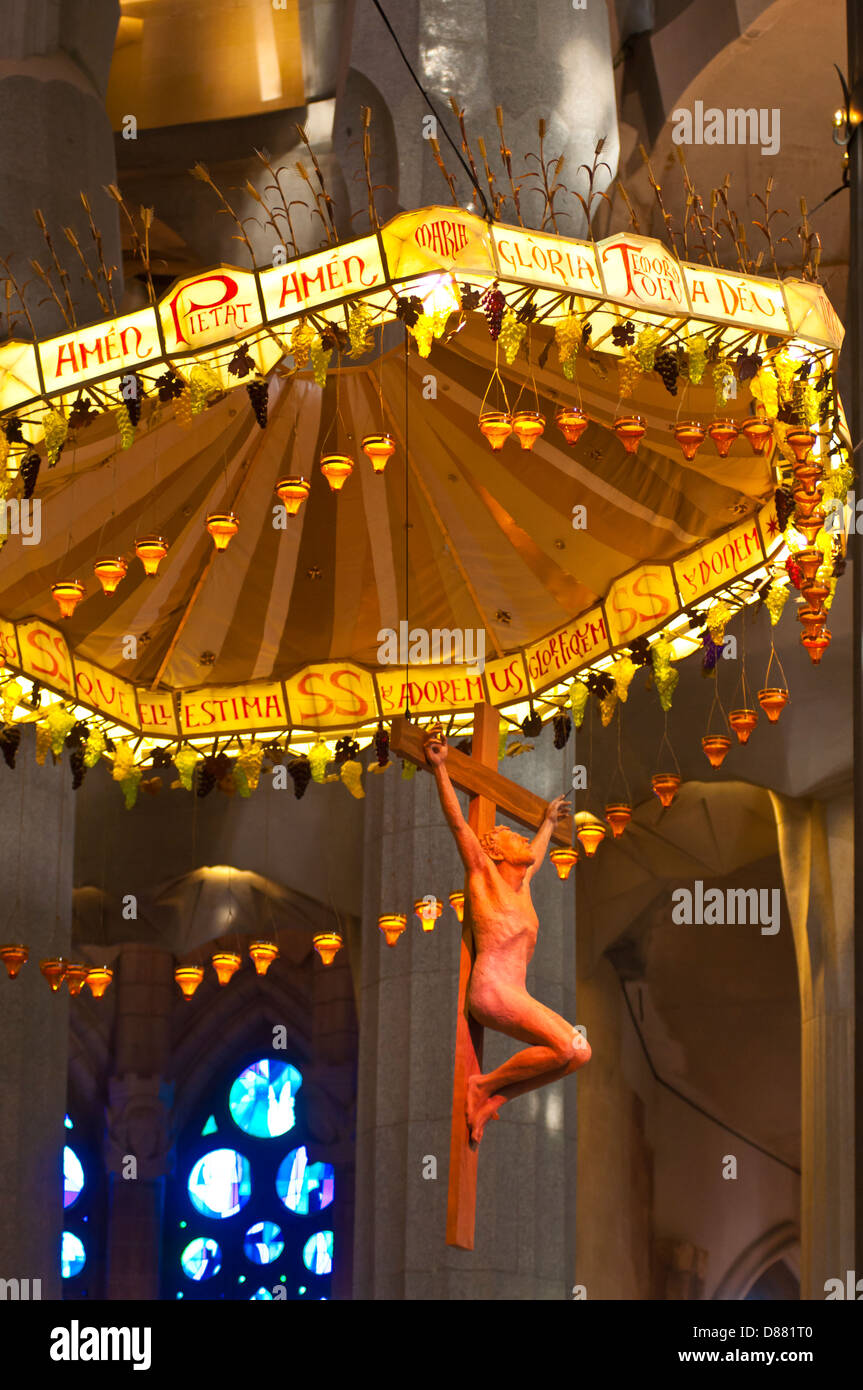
(201, 1259)
(68, 1123)
(304, 1186)
(263, 1243)
(72, 1255)
(73, 1177)
(261, 1295)
(220, 1183)
(210, 1127)
(318, 1253)
(262, 1098)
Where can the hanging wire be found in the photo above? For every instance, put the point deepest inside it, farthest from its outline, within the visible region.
(407, 573)
(667, 741)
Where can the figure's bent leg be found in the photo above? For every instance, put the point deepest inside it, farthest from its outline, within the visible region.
(557, 1049)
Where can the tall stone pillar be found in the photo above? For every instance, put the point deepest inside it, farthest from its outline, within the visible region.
(55, 142)
(816, 851)
(37, 826)
(525, 1205)
(138, 1122)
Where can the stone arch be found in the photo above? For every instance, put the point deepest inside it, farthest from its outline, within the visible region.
(779, 1243)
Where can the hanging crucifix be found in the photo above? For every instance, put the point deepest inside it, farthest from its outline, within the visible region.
(498, 940)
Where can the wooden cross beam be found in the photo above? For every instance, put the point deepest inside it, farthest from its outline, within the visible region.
(489, 792)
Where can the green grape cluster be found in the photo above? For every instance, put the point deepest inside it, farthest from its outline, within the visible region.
(696, 358)
(125, 428)
(645, 348)
(567, 335)
(628, 372)
(777, 596)
(56, 430)
(423, 333)
(723, 381)
(511, 335)
(360, 330)
(320, 357)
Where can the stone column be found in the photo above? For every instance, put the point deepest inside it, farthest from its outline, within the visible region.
(55, 56)
(37, 827)
(525, 1205)
(137, 1119)
(816, 851)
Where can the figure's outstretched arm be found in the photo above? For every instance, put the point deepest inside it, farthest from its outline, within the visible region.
(555, 811)
(468, 845)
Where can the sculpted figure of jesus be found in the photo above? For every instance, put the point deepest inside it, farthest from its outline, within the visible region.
(500, 867)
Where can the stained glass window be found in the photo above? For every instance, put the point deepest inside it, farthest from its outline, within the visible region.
(304, 1186)
(262, 1098)
(220, 1184)
(318, 1252)
(73, 1177)
(201, 1259)
(72, 1256)
(263, 1242)
(241, 1222)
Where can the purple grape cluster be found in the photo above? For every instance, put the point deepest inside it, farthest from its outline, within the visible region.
(562, 729)
(300, 770)
(29, 472)
(666, 365)
(10, 739)
(493, 305)
(382, 746)
(258, 395)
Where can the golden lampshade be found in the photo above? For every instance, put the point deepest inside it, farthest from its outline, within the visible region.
(76, 974)
(723, 433)
(380, 449)
(327, 944)
(715, 747)
(773, 700)
(13, 957)
(457, 905)
(428, 912)
(336, 468)
(293, 493)
(630, 430)
(527, 426)
(743, 721)
(67, 595)
(263, 953)
(109, 571)
(54, 971)
(188, 977)
(591, 836)
(222, 526)
(99, 979)
(759, 434)
(618, 814)
(496, 425)
(666, 785)
(800, 441)
(690, 435)
(572, 423)
(563, 858)
(226, 964)
(392, 924)
(151, 551)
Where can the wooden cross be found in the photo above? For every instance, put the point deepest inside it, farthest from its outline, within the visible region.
(489, 792)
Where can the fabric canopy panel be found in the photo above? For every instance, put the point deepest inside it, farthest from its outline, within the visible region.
(555, 559)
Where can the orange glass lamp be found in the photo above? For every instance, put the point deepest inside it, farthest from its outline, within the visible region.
(54, 972)
(151, 551)
(13, 957)
(496, 425)
(527, 426)
(618, 815)
(743, 721)
(428, 912)
(800, 441)
(380, 449)
(293, 493)
(336, 468)
(76, 974)
(564, 857)
(263, 953)
(456, 901)
(715, 748)
(815, 591)
(109, 571)
(690, 435)
(98, 980)
(222, 526)
(572, 423)
(591, 836)
(392, 924)
(808, 473)
(816, 643)
(810, 561)
(723, 433)
(226, 964)
(758, 433)
(188, 977)
(666, 785)
(773, 700)
(67, 595)
(630, 430)
(327, 944)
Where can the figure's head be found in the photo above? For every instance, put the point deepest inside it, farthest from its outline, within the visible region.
(505, 846)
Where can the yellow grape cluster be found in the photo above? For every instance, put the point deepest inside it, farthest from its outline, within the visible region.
(511, 335)
(777, 596)
(125, 428)
(567, 335)
(628, 372)
(645, 348)
(723, 380)
(696, 357)
(302, 339)
(320, 357)
(56, 429)
(360, 330)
